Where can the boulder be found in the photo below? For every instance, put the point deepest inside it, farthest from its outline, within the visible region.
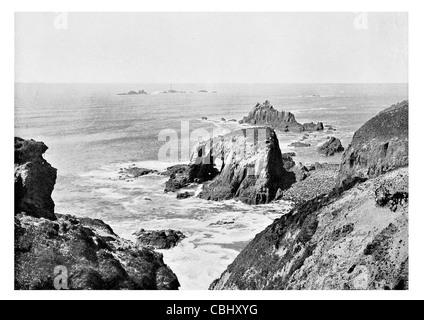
(162, 239)
(184, 195)
(34, 180)
(252, 167)
(288, 160)
(331, 147)
(379, 146)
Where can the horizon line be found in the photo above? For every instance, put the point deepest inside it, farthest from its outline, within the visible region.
(169, 82)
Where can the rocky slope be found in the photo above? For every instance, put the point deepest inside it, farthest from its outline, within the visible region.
(330, 242)
(95, 257)
(378, 146)
(265, 115)
(353, 237)
(252, 168)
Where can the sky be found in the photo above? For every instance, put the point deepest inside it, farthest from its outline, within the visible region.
(211, 47)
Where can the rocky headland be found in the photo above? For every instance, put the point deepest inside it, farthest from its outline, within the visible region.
(350, 234)
(94, 256)
(379, 146)
(266, 115)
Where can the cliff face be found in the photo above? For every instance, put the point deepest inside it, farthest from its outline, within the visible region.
(34, 179)
(252, 167)
(330, 243)
(354, 240)
(95, 257)
(265, 115)
(379, 146)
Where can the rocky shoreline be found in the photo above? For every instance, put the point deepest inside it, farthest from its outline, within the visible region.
(351, 233)
(348, 228)
(94, 257)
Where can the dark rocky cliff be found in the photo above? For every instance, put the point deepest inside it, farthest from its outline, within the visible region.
(95, 257)
(34, 179)
(266, 115)
(252, 167)
(379, 146)
(354, 237)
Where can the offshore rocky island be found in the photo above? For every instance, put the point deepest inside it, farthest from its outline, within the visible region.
(348, 228)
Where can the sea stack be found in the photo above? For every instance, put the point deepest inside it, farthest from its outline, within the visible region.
(251, 165)
(266, 115)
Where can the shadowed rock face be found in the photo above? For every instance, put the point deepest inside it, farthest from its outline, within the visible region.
(379, 146)
(34, 180)
(95, 257)
(265, 115)
(331, 147)
(252, 167)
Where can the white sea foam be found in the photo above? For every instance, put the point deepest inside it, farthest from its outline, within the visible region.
(216, 231)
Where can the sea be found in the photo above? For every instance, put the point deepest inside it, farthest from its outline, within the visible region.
(93, 133)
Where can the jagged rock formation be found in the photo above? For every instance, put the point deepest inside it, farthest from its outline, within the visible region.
(34, 180)
(265, 115)
(331, 147)
(379, 146)
(95, 257)
(252, 167)
(161, 239)
(331, 242)
(354, 237)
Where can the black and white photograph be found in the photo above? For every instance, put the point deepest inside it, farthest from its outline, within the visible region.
(211, 150)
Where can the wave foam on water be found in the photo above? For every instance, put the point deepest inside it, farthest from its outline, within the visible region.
(216, 231)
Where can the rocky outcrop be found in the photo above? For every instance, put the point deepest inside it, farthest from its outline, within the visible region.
(162, 239)
(185, 195)
(252, 167)
(34, 180)
(331, 147)
(379, 146)
(330, 242)
(134, 172)
(299, 144)
(266, 115)
(91, 253)
(181, 176)
(353, 237)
